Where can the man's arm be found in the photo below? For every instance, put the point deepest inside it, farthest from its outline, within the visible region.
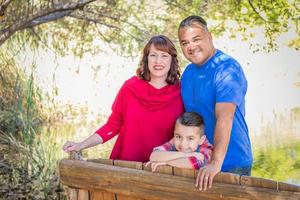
(224, 118)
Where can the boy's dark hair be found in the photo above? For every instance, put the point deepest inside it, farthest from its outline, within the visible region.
(190, 20)
(191, 119)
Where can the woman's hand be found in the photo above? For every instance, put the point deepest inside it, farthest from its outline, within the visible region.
(70, 146)
(91, 141)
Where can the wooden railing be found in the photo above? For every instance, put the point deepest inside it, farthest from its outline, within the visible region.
(100, 179)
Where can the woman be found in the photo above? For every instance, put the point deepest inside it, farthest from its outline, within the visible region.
(146, 107)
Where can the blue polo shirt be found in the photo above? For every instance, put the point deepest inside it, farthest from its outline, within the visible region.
(220, 79)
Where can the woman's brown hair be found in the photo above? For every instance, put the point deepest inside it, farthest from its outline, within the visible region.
(161, 43)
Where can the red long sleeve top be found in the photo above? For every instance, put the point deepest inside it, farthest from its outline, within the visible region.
(143, 117)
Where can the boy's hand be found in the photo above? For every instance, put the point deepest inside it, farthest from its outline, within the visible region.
(154, 165)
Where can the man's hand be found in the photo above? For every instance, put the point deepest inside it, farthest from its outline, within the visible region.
(206, 175)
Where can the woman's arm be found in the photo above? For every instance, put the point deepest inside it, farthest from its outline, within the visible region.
(91, 141)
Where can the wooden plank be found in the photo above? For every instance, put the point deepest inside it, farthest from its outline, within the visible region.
(132, 165)
(83, 195)
(126, 197)
(288, 187)
(102, 161)
(71, 194)
(154, 186)
(164, 169)
(190, 173)
(101, 195)
(128, 164)
(230, 178)
(259, 182)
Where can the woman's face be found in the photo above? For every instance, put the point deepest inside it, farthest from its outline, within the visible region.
(159, 63)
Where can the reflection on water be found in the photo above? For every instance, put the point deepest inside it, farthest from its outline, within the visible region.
(276, 149)
(280, 163)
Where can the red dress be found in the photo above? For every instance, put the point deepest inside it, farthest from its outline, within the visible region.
(143, 117)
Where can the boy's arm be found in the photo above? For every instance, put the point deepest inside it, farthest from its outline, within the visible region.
(163, 156)
(194, 160)
(181, 163)
(197, 155)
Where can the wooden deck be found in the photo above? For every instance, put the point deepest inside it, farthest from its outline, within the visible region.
(101, 179)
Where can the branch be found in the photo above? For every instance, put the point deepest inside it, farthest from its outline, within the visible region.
(45, 15)
(3, 6)
(116, 19)
(254, 9)
(105, 24)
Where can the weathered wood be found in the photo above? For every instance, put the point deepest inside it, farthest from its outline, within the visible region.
(125, 197)
(83, 195)
(71, 193)
(184, 172)
(102, 161)
(259, 182)
(288, 187)
(164, 169)
(128, 164)
(132, 165)
(147, 185)
(101, 195)
(230, 178)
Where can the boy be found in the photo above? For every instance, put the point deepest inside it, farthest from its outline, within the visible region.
(189, 147)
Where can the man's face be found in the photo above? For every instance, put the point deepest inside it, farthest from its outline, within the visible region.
(196, 44)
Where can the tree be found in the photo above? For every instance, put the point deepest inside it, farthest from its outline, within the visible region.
(242, 16)
(76, 25)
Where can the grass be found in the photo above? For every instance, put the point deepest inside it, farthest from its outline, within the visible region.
(27, 165)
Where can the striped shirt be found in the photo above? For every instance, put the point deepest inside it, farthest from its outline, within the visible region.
(205, 149)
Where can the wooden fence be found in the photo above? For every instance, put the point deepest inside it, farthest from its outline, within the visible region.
(100, 179)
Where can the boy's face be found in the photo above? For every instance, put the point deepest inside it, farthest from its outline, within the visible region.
(187, 138)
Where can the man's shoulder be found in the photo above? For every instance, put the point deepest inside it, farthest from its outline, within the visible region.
(189, 69)
(226, 63)
(222, 58)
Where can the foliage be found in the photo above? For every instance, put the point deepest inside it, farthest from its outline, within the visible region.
(120, 23)
(276, 162)
(27, 165)
(244, 16)
(31, 173)
(69, 27)
(20, 102)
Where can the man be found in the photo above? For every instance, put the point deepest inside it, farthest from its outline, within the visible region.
(214, 85)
